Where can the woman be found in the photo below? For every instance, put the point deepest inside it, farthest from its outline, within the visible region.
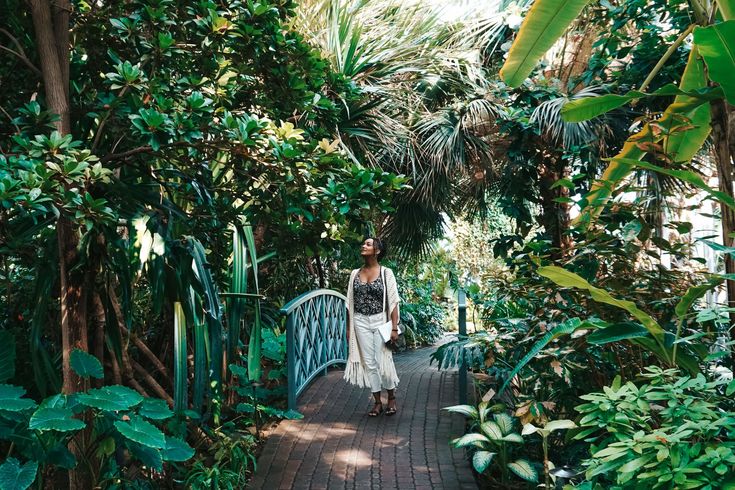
(371, 293)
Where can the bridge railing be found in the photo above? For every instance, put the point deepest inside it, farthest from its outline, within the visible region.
(315, 337)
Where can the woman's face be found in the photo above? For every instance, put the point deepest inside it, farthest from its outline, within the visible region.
(368, 248)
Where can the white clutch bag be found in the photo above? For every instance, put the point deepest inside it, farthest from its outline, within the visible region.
(385, 330)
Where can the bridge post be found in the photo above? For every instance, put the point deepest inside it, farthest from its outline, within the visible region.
(291, 362)
(324, 327)
(462, 324)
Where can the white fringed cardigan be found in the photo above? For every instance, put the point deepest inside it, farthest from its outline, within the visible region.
(355, 371)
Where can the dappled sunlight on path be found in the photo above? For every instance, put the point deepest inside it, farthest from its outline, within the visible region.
(337, 446)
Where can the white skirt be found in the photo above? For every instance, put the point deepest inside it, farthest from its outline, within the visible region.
(380, 372)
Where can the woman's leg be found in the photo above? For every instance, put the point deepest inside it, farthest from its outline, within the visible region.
(378, 407)
(391, 402)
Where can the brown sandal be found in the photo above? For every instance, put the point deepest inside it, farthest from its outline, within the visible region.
(391, 410)
(375, 412)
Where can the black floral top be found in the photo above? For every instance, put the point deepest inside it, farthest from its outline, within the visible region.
(368, 296)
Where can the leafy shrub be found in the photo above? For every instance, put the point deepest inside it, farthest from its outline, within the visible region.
(228, 462)
(493, 437)
(671, 432)
(127, 429)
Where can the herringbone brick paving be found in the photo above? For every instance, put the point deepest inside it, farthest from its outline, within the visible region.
(337, 446)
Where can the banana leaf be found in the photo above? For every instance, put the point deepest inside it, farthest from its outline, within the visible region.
(544, 24)
(716, 44)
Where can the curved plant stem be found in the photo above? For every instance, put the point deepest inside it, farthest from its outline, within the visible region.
(666, 57)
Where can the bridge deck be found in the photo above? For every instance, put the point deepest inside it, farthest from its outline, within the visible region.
(337, 446)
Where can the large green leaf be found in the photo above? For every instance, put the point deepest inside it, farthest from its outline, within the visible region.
(693, 294)
(238, 284)
(687, 176)
(679, 144)
(212, 314)
(564, 328)
(111, 398)
(177, 450)
(200, 352)
(10, 399)
(60, 456)
(7, 356)
(181, 379)
(568, 279)
(716, 44)
(255, 343)
(727, 9)
(524, 470)
(85, 364)
(138, 430)
(149, 456)
(155, 409)
(559, 425)
(58, 419)
(683, 145)
(14, 476)
(586, 108)
(617, 332)
(544, 24)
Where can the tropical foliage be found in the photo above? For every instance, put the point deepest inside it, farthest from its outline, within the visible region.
(171, 173)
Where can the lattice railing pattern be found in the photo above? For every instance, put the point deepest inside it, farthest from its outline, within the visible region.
(316, 337)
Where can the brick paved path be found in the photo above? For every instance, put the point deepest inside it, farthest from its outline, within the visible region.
(337, 446)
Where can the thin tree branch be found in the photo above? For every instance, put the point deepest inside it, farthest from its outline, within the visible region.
(98, 135)
(25, 60)
(20, 53)
(17, 128)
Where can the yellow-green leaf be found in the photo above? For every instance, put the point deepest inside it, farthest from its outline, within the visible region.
(544, 24)
(727, 9)
(569, 279)
(687, 176)
(683, 145)
(680, 146)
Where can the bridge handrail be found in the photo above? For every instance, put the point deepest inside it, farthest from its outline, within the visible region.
(297, 301)
(315, 337)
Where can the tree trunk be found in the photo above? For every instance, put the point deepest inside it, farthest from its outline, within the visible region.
(723, 135)
(98, 344)
(320, 271)
(554, 215)
(55, 70)
(52, 41)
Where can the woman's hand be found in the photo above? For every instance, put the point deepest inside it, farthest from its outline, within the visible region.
(394, 335)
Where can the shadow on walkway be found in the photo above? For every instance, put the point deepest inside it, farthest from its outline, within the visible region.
(337, 446)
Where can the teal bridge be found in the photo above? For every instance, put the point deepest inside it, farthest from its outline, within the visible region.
(316, 338)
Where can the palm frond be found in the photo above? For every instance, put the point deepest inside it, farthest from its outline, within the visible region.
(548, 117)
